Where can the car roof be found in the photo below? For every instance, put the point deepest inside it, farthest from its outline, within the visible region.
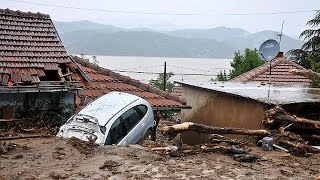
(108, 105)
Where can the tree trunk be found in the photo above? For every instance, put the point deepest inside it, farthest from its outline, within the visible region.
(172, 131)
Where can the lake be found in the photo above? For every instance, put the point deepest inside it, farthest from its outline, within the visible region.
(147, 68)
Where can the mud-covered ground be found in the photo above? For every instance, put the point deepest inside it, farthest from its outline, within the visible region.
(54, 158)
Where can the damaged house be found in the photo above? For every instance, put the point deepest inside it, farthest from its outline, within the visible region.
(243, 101)
(34, 66)
(36, 73)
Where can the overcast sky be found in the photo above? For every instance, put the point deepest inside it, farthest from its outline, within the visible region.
(201, 13)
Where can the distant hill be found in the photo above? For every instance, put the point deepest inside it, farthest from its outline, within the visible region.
(93, 38)
(142, 43)
(239, 38)
(219, 33)
(64, 27)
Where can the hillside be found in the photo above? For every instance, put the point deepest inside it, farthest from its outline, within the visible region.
(142, 43)
(239, 38)
(92, 38)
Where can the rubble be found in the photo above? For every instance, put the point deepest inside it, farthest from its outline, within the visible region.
(110, 165)
(291, 133)
(84, 147)
(5, 147)
(278, 118)
(168, 157)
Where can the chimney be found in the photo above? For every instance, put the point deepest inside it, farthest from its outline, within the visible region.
(279, 55)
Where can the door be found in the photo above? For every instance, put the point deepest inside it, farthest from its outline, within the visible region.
(128, 128)
(131, 118)
(117, 132)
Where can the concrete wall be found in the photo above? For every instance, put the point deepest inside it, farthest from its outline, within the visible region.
(221, 110)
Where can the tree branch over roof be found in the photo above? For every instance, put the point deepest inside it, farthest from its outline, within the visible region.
(306, 73)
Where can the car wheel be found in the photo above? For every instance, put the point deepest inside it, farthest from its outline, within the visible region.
(149, 135)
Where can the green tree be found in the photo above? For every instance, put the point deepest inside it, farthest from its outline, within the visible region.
(241, 64)
(158, 83)
(309, 53)
(222, 76)
(244, 63)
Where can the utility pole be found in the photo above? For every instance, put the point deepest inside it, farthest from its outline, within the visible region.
(165, 76)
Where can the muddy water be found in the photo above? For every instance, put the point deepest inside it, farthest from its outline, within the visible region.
(146, 68)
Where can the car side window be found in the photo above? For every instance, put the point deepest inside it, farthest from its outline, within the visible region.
(143, 110)
(131, 118)
(117, 132)
(123, 125)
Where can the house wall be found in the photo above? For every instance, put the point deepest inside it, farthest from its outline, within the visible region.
(11, 102)
(218, 109)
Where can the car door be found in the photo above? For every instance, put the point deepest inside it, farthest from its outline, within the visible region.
(130, 119)
(117, 132)
(143, 124)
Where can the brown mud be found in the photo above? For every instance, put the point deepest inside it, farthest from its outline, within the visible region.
(55, 158)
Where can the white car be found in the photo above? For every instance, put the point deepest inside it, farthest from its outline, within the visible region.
(115, 118)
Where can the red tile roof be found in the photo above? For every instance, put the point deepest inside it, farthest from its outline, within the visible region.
(279, 73)
(104, 81)
(29, 45)
(177, 91)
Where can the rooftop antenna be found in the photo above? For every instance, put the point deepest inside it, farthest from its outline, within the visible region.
(280, 35)
(269, 51)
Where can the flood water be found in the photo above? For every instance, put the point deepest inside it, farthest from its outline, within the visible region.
(147, 68)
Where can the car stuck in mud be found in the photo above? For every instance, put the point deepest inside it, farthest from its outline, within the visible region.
(115, 118)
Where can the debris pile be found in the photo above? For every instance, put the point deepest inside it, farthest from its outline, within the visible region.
(299, 135)
(84, 147)
(218, 143)
(283, 131)
(6, 147)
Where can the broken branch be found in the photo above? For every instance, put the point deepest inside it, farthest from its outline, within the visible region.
(24, 137)
(172, 131)
(279, 116)
(299, 148)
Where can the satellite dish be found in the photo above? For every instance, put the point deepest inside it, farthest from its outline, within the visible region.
(269, 49)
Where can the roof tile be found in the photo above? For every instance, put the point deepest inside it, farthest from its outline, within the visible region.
(279, 73)
(30, 44)
(104, 81)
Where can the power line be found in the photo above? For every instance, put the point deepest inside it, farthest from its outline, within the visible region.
(181, 74)
(180, 67)
(137, 67)
(166, 13)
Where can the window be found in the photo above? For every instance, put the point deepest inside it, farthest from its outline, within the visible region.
(143, 109)
(1, 113)
(117, 132)
(131, 118)
(125, 123)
